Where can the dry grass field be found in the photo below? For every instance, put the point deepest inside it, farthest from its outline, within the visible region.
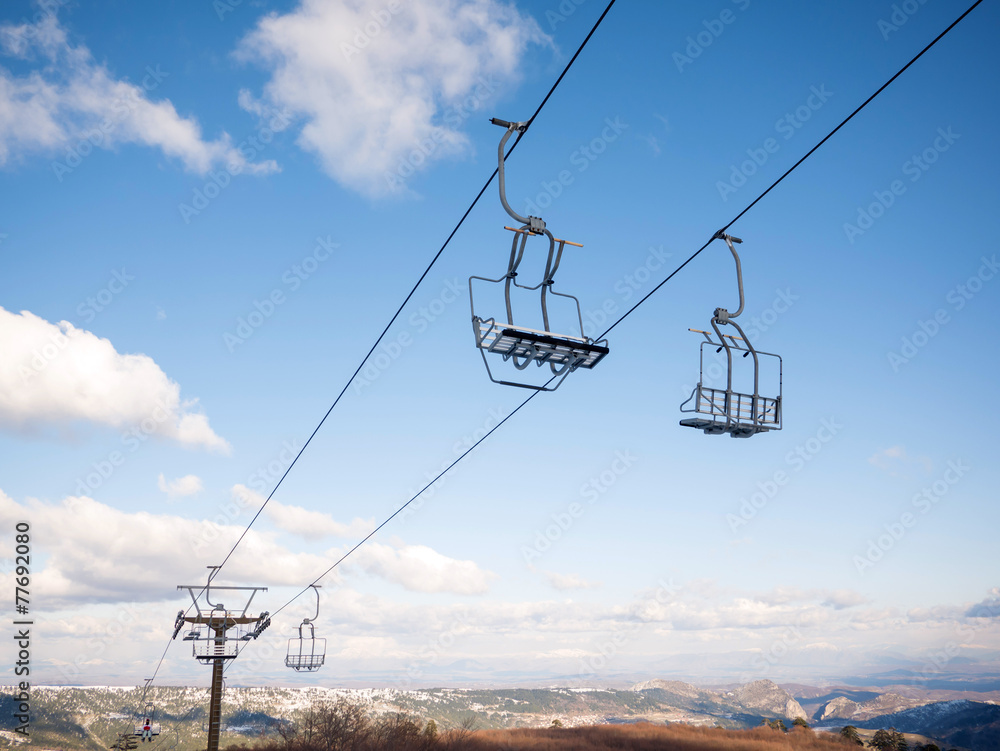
(647, 737)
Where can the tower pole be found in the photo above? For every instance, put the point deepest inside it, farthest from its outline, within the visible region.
(215, 707)
(211, 627)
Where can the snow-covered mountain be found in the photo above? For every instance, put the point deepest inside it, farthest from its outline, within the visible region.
(92, 717)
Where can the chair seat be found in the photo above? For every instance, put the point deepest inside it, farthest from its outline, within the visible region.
(735, 429)
(542, 346)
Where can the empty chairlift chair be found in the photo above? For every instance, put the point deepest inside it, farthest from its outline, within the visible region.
(517, 344)
(719, 410)
(211, 640)
(210, 637)
(307, 652)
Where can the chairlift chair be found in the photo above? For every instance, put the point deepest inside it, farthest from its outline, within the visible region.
(518, 344)
(212, 641)
(146, 729)
(307, 652)
(719, 410)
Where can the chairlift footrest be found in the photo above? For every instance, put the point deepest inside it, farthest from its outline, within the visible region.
(308, 663)
(735, 430)
(542, 347)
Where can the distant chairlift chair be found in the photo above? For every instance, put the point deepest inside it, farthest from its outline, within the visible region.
(725, 410)
(147, 729)
(518, 344)
(307, 652)
(210, 637)
(211, 641)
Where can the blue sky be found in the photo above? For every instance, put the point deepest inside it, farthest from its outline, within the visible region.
(210, 212)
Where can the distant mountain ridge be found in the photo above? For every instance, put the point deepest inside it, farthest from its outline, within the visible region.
(90, 718)
(962, 722)
(769, 698)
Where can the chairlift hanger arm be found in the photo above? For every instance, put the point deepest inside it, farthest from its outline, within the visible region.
(213, 570)
(722, 314)
(519, 127)
(535, 224)
(316, 589)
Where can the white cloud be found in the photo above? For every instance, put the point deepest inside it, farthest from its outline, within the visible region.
(313, 525)
(99, 554)
(94, 553)
(420, 569)
(375, 87)
(839, 599)
(415, 567)
(570, 581)
(182, 486)
(57, 373)
(69, 98)
(988, 608)
(895, 460)
(884, 458)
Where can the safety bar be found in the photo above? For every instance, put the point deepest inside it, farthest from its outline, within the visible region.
(528, 231)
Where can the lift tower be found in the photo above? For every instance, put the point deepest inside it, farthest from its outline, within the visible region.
(212, 641)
